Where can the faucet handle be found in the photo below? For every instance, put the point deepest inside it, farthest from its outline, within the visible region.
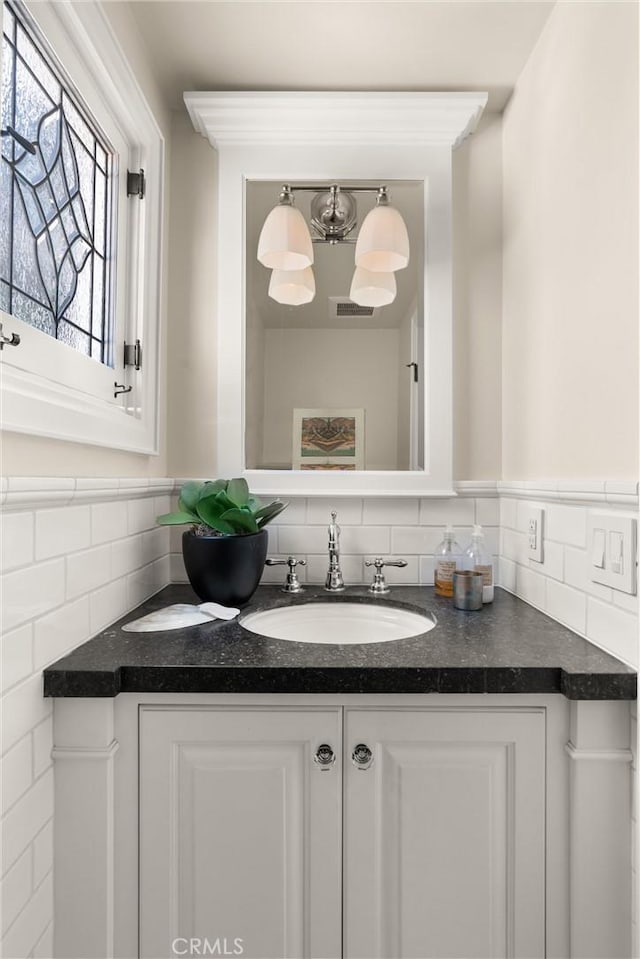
(379, 585)
(292, 583)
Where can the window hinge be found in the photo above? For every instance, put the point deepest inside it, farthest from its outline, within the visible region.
(133, 354)
(13, 340)
(136, 184)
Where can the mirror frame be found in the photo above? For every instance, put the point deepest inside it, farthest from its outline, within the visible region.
(295, 137)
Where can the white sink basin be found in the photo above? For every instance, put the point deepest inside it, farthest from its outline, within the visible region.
(338, 623)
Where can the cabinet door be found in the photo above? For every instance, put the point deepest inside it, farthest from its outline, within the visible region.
(240, 833)
(445, 834)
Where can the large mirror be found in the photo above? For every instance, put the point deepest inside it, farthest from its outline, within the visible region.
(333, 385)
(275, 363)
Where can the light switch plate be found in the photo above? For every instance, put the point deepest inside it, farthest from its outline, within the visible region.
(535, 533)
(611, 551)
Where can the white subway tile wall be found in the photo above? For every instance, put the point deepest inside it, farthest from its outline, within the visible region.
(411, 529)
(561, 586)
(67, 572)
(403, 528)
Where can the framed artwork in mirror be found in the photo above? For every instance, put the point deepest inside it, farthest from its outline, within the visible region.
(330, 439)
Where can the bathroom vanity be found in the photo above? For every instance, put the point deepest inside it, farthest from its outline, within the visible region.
(465, 792)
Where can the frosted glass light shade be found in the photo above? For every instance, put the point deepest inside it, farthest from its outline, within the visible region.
(372, 289)
(292, 287)
(383, 241)
(285, 241)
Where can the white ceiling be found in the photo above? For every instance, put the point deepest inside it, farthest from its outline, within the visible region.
(340, 44)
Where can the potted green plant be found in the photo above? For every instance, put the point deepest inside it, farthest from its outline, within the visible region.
(225, 549)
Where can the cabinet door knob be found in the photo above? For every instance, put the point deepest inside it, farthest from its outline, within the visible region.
(362, 757)
(324, 757)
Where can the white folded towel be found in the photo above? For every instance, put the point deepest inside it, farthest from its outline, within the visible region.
(178, 616)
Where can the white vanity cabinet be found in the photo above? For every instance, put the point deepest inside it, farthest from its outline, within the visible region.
(240, 830)
(422, 836)
(444, 834)
(457, 825)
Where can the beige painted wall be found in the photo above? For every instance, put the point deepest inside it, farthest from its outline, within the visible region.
(477, 302)
(24, 455)
(333, 369)
(254, 392)
(191, 336)
(534, 387)
(570, 282)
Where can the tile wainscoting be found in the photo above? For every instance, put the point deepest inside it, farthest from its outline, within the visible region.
(400, 528)
(411, 528)
(561, 586)
(76, 555)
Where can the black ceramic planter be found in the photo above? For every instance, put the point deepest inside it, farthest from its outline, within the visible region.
(225, 569)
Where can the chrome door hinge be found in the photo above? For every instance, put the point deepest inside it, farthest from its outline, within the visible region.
(136, 184)
(133, 354)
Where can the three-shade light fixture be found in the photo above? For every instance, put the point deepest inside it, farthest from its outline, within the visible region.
(286, 243)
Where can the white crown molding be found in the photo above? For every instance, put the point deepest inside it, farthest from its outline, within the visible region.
(574, 492)
(429, 119)
(38, 492)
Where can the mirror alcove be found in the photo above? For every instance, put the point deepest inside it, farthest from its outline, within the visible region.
(275, 363)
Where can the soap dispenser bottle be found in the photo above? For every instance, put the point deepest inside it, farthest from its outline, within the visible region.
(478, 558)
(448, 558)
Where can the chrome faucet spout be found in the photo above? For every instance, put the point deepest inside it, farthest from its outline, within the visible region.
(334, 582)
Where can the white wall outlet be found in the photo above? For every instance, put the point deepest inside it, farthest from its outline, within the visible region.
(611, 550)
(535, 534)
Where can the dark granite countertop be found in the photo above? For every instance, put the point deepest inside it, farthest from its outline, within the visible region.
(507, 647)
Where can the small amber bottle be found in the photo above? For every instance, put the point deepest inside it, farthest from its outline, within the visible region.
(448, 558)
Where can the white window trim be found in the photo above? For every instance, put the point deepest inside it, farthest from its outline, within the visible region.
(30, 402)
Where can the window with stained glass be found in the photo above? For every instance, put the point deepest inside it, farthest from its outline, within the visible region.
(57, 201)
